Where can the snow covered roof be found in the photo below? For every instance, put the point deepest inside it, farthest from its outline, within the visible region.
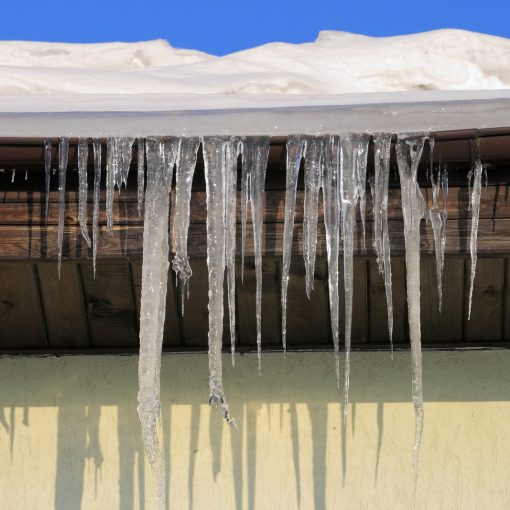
(339, 82)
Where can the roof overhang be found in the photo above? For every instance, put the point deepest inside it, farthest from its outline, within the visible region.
(275, 115)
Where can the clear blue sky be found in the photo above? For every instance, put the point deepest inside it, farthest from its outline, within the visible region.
(220, 26)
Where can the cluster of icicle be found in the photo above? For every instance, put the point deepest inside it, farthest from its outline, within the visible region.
(337, 165)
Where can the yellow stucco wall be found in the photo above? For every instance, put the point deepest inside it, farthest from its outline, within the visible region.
(70, 438)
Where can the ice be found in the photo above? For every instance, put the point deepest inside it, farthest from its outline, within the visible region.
(161, 158)
(295, 151)
(96, 143)
(332, 213)
(475, 215)
(409, 151)
(232, 149)
(140, 174)
(112, 163)
(83, 156)
(185, 169)
(313, 153)
(13, 176)
(382, 150)
(361, 183)
(47, 175)
(118, 162)
(353, 156)
(438, 216)
(216, 192)
(255, 154)
(63, 154)
(26, 175)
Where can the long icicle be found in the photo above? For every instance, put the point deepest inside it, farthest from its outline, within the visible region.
(438, 217)
(353, 155)
(295, 150)
(185, 170)
(361, 183)
(409, 151)
(313, 185)
(112, 164)
(96, 144)
(255, 154)
(140, 175)
(83, 156)
(332, 214)
(161, 157)
(475, 216)
(216, 190)
(63, 155)
(232, 148)
(382, 148)
(47, 175)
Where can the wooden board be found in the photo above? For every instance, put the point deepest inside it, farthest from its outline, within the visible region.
(64, 305)
(21, 316)
(486, 323)
(110, 304)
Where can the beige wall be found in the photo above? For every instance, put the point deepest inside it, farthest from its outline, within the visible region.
(70, 438)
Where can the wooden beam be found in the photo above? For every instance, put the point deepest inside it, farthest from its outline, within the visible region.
(37, 242)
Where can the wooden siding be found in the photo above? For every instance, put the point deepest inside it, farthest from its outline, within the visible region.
(39, 313)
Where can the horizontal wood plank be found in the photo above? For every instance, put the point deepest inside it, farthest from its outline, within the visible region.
(37, 242)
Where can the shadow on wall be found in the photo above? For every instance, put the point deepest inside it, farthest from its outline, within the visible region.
(289, 439)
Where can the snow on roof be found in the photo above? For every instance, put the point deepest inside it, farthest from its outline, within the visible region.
(335, 63)
(338, 71)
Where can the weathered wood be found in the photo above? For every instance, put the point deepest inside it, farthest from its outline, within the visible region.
(64, 305)
(447, 325)
(486, 321)
(245, 306)
(307, 319)
(378, 312)
(28, 208)
(110, 304)
(35, 243)
(21, 316)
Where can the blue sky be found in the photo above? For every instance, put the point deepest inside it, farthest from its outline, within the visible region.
(220, 27)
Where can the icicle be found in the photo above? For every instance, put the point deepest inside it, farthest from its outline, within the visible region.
(295, 149)
(161, 157)
(112, 163)
(47, 174)
(409, 151)
(216, 191)
(475, 215)
(63, 154)
(185, 169)
(13, 175)
(26, 175)
(313, 153)
(232, 149)
(361, 184)
(140, 174)
(118, 162)
(83, 156)
(382, 149)
(353, 155)
(97, 189)
(332, 213)
(126, 152)
(438, 219)
(255, 154)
